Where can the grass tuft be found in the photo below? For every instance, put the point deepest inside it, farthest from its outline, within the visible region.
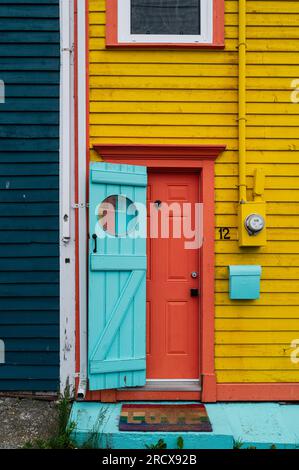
(61, 439)
(238, 444)
(161, 444)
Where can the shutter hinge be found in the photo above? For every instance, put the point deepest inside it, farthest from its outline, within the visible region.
(80, 205)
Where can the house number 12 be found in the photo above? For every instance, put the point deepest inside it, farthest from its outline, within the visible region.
(224, 233)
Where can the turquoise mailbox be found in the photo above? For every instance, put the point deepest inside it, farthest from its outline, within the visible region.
(244, 282)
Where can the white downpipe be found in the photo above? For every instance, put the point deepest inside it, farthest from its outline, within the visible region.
(66, 85)
(82, 106)
(66, 194)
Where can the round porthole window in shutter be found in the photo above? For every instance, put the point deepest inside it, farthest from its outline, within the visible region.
(118, 215)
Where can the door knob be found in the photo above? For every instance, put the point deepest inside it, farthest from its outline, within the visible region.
(194, 274)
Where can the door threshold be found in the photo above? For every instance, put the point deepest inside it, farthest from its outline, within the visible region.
(167, 386)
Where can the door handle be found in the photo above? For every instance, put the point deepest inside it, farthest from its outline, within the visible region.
(194, 292)
(95, 238)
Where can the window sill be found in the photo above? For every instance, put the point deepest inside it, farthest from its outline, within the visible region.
(146, 45)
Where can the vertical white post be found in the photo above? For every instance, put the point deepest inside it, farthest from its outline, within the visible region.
(82, 107)
(66, 195)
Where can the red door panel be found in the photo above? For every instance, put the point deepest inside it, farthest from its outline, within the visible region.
(172, 314)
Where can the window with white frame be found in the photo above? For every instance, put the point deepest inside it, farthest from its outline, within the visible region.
(165, 21)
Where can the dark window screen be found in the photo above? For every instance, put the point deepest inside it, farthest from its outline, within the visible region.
(165, 17)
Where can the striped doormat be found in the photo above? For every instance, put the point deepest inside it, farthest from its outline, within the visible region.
(168, 418)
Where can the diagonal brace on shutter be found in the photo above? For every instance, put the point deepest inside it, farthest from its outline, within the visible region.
(102, 347)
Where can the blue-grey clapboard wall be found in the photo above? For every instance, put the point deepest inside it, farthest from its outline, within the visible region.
(29, 144)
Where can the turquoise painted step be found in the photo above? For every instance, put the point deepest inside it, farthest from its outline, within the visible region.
(260, 425)
(102, 420)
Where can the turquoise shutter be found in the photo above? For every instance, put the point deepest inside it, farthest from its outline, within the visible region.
(117, 278)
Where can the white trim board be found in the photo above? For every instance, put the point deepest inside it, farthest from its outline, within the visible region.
(167, 385)
(172, 380)
(66, 195)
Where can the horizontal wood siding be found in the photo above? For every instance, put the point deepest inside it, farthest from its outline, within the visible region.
(29, 158)
(190, 97)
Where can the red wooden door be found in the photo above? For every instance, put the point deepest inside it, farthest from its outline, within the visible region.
(172, 313)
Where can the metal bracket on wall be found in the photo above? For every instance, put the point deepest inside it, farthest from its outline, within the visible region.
(80, 205)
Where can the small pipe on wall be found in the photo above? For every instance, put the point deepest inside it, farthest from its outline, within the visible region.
(256, 207)
(242, 102)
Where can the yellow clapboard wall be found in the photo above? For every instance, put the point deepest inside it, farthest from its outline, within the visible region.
(190, 97)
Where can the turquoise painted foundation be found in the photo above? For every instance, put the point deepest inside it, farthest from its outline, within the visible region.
(261, 425)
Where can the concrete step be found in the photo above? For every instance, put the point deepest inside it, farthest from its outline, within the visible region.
(240, 425)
